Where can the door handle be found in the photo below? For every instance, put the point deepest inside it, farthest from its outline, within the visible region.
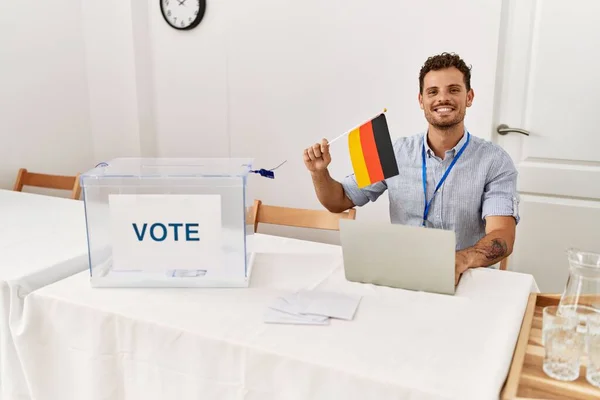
(503, 129)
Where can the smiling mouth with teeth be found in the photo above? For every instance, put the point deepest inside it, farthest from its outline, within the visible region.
(443, 110)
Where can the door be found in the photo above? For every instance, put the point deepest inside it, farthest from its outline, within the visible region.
(547, 88)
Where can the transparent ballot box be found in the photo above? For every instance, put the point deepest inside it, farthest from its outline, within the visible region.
(158, 222)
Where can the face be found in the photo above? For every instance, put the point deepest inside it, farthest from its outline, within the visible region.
(445, 98)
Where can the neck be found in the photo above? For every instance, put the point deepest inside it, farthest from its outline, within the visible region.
(442, 140)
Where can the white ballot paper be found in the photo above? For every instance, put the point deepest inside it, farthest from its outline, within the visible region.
(312, 307)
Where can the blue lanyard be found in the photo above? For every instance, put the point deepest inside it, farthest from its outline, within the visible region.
(424, 169)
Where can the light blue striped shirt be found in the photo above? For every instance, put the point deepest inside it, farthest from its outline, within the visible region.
(483, 182)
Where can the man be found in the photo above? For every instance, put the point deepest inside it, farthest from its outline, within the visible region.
(477, 199)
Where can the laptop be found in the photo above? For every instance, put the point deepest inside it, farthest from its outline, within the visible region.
(398, 256)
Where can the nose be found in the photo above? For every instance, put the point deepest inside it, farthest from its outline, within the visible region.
(443, 97)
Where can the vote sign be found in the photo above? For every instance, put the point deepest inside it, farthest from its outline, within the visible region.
(161, 232)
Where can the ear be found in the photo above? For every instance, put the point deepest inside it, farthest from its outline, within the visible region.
(420, 98)
(470, 96)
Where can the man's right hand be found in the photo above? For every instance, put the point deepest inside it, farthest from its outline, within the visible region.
(329, 191)
(317, 157)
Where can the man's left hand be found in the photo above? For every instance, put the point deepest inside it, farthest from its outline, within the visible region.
(460, 266)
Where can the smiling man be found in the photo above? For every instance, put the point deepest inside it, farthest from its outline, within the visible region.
(470, 184)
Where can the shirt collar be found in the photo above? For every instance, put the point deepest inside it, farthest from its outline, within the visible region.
(452, 151)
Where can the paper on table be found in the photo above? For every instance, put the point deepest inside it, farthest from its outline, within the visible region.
(285, 305)
(274, 316)
(309, 306)
(334, 305)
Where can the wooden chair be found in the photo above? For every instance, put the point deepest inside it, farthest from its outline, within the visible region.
(504, 264)
(296, 217)
(61, 182)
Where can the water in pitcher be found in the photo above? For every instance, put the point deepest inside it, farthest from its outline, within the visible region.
(581, 296)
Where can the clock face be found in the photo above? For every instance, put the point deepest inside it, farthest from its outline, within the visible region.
(183, 14)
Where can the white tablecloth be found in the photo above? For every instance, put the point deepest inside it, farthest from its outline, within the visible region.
(42, 240)
(82, 343)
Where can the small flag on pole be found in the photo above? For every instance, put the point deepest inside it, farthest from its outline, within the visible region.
(372, 152)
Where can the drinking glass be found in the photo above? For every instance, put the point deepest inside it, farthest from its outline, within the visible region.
(593, 350)
(563, 344)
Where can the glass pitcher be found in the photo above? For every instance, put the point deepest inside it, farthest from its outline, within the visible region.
(582, 291)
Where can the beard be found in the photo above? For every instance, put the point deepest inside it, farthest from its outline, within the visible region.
(445, 123)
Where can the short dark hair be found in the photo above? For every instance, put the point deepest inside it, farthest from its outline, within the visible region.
(442, 61)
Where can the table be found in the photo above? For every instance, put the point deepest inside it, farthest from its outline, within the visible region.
(42, 240)
(77, 342)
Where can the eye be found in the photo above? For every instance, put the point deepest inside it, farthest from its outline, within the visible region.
(454, 90)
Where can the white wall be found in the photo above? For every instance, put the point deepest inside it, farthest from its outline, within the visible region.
(262, 79)
(76, 85)
(44, 107)
(190, 80)
(111, 77)
(267, 78)
(119, 71)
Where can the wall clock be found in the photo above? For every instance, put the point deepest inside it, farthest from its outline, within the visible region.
(183, 14)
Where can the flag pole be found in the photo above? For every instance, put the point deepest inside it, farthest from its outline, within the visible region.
(345, 133)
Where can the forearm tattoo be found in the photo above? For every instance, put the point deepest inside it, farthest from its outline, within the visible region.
(496, 249)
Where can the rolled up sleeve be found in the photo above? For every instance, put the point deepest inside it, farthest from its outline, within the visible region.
(500, 197)
(359, 196)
